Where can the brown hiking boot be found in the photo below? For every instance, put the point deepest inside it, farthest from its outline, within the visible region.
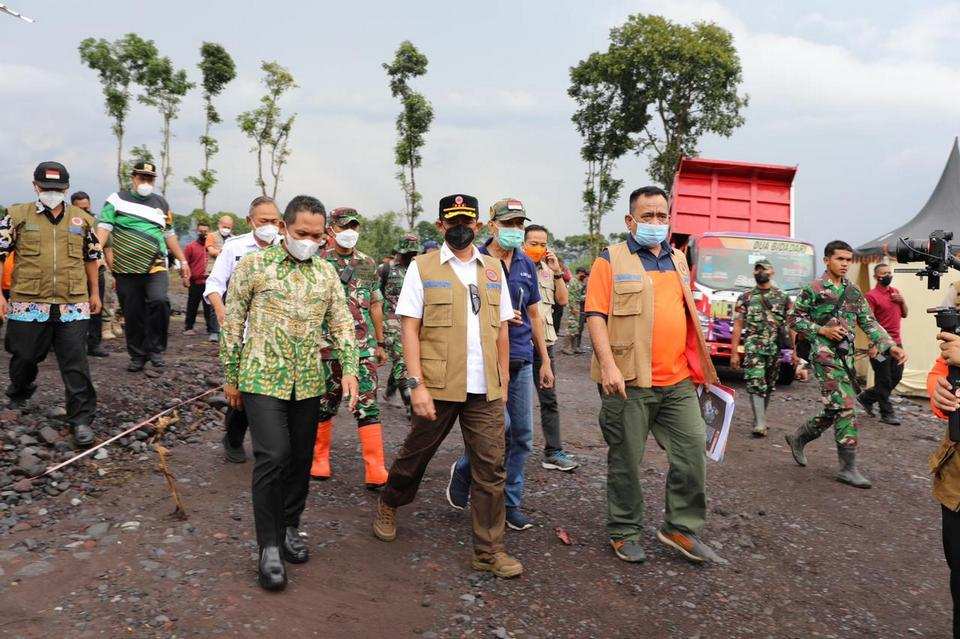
(499, 563)
(385, 525)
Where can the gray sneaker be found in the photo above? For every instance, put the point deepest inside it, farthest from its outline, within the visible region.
(559, 460)
(690, 546)
(629, 550)
(213, 337)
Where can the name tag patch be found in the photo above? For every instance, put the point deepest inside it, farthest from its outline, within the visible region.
(627, 277)
(437, 284)
(76, 230)
(493, 285)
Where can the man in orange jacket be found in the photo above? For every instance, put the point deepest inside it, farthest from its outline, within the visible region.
(945, 463)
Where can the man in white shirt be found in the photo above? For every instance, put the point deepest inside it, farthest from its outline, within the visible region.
(454, 309)
(263, 217)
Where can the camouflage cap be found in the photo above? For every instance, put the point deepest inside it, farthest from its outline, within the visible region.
(409, 243)
(762, 263)
(508, 209)
(344, 215)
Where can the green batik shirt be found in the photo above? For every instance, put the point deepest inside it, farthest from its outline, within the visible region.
(362, 290)
(284, 303)
(814, 308)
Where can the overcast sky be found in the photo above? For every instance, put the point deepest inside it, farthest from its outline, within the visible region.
(864, 96)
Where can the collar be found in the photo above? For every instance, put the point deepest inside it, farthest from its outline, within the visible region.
(446, 254)
(635, 247)
(827, 282)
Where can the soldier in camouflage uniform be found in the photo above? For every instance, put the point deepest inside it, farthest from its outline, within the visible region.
(762, 312)
(575, 296)
(390, 284)
(827, 313)
(358, 274)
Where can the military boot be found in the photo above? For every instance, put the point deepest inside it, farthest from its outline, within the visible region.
(758, 403)
(849, 474)
(569, 349)
(797, 441)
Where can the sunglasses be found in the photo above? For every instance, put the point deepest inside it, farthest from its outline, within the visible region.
(475, 299)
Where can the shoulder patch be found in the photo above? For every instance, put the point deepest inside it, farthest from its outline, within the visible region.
(492, 275)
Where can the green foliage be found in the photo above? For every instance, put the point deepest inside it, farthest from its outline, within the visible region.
(266, 125)
(413, 122)
(579, 250)
(137, 154)
(379, 235)
(428, 231)
(218, 70)
(682, 78)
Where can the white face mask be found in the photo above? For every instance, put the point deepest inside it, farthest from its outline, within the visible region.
(301, 250)
(225, 232)
(51, 199)
(347, 239)
(144, 189)
(266, 233)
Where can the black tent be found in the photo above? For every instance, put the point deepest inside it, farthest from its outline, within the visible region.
(942, 211)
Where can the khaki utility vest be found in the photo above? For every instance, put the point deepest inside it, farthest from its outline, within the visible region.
(630, 322)
(49, 266)
(956, 299)
(548, 298)
(443, 329)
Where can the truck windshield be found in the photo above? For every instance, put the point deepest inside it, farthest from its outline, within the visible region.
(727, 262)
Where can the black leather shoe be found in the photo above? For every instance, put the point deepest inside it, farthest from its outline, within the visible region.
(135, 365)
(294, 550)
(97, 351)
(82, 435)
(231, 454)
(272, 573)
(157, 360)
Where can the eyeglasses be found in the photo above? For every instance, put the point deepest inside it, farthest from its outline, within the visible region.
(647, 218)
(475, 299)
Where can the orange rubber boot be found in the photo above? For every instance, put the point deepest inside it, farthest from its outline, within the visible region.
(371, 443)
(320, 469)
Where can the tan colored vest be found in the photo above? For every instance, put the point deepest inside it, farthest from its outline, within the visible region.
(443, 328)
(630, 322)
(548, 297)
(49, 266)
(956, 298)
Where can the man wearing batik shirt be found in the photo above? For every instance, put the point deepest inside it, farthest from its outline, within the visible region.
(57, 257)
(284, 295)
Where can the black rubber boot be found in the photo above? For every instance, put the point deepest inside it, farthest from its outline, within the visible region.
(849, 474)
(294, 550)
(272, 573)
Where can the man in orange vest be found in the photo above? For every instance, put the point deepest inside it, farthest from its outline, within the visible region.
(648, 354)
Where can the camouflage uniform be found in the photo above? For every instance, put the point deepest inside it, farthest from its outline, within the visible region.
(761, 325)
(812, 310)
(390, 286)
(576, 291)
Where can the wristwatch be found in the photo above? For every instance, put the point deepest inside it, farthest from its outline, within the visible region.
(557, 276)
(413, 382)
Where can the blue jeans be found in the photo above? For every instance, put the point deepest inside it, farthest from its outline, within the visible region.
(518, 421)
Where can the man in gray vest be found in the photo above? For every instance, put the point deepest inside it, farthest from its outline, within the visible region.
(56, 263)
(140, 224)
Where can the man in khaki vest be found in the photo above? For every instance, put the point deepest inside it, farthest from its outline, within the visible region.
(454, 311)
(648, 354)
(57, 259)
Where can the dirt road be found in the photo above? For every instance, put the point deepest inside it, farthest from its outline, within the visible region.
(98, 555)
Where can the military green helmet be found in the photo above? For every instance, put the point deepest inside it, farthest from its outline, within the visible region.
(409, 243)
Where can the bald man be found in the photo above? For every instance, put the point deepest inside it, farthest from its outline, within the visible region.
(224, 232)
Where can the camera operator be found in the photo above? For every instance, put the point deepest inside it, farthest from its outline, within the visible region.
(889, 308)
(827, 313)
(945, 463)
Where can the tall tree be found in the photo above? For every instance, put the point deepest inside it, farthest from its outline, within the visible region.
(412, 123)
(163, 89)
(599, 119)
(679, 83)
(106, 59)
(267, 127)
(217, 69)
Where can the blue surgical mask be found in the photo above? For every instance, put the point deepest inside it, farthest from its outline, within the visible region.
(510, 238)
(650, 234)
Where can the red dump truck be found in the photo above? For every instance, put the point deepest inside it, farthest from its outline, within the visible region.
(725, 216)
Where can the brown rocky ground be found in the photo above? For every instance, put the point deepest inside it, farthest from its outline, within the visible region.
(95, 553)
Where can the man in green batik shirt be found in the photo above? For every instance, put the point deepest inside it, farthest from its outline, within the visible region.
(827, 313)
(284, 294)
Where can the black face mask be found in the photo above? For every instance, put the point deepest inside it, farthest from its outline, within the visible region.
(762, 278)
(885, 280)
(201, 236)
(406, 258)
(459, 237)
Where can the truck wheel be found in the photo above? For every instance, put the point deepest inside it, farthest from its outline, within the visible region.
(787, 374)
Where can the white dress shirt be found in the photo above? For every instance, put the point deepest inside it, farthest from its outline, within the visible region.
(234, 249)
(410, 304)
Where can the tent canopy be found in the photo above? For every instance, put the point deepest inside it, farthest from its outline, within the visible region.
(942, 211)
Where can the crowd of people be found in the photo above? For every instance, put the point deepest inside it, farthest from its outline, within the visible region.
(468, 333)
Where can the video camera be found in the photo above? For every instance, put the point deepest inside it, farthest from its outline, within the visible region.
(937, 254)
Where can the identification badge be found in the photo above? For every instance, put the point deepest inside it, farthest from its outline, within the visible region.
(76, 230)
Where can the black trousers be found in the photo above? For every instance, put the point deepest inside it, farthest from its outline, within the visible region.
(95, 327)
(558, 317)
(886, 375)
(146, 312)
(951, 550)
(194, 300)
(28, 344)
(235, 421)
(283, 433)
(549, 414)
